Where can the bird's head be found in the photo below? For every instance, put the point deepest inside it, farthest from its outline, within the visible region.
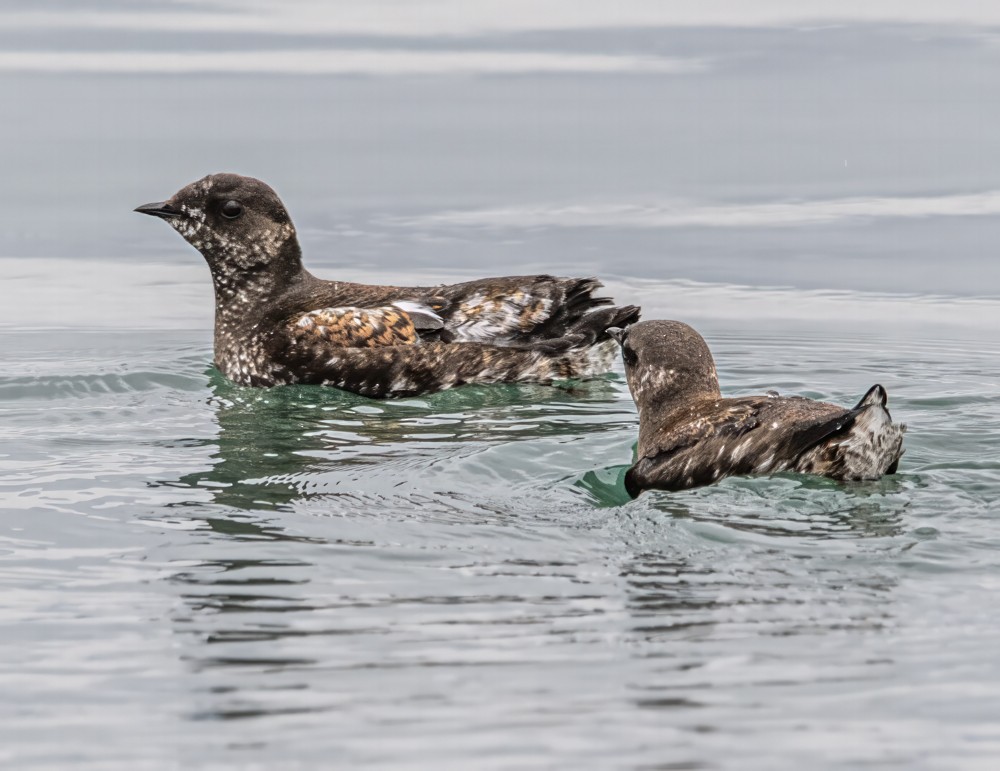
(238, 223)
(666, 362)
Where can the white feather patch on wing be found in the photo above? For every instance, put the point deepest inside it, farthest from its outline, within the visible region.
(480, 318)
(422, 316)
(596, 360)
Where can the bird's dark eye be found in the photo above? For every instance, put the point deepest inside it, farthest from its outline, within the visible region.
(232, 209)
(629, 356)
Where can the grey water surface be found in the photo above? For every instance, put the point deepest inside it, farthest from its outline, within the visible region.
(194, 575)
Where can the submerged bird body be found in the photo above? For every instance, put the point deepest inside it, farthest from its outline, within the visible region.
(276, 323)
(689, 435)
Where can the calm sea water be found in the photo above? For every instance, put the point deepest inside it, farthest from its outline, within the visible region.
(201, 576)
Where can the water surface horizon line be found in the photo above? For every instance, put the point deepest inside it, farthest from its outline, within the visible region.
(455, 17)
(843, 311)
(346, 61)
(125, 287)
(681, 213)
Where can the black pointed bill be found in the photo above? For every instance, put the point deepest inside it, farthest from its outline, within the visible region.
(161, 209)
(619, 334)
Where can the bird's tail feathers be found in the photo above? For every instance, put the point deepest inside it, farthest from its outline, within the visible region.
(590, 329)
(875, 396)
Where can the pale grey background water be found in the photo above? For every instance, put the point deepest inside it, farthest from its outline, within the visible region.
(200, 576)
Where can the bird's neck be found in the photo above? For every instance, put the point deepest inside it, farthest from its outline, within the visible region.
(244, 293)
(237, 279)
(668, 397)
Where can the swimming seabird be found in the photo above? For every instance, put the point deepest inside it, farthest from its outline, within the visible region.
(276, 323)
(690, 435)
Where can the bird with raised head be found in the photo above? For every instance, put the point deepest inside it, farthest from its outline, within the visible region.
(690, 435)
(276, 323)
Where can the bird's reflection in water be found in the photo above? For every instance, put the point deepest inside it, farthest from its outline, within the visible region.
(726, 571)
(281, 445)
(788, 504)
(259, 608)
(701, 594)
(238, 623)
(798, 506)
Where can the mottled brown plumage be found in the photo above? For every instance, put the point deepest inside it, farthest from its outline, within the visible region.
(355, 327)
(276, 323)
(690, 435)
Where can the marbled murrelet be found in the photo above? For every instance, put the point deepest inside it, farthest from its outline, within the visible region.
(276, 323)
(689, 435)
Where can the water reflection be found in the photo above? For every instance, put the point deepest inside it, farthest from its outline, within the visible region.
(268, 605)
(732, 562)
(668, 594)
(235, 618)
(715, 626)
(796, 506)
(783, 505)
(284, 445)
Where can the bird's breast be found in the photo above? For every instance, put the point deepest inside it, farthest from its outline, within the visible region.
(244, 359)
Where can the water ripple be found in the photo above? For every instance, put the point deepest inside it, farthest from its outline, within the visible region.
(254, 557)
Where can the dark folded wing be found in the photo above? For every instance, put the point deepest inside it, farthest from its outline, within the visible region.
(718, 421)
(727, 437)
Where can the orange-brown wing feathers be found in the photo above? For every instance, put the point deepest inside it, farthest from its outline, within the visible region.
(351, 327)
